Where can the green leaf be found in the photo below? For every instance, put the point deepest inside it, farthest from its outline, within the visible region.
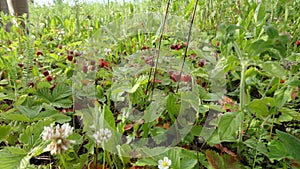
(146, 162)
(257, 145)
(32, 134)
(229, 125)
(257, 47)
(294, 83)
(271, 32)
(282, 96)
(4, 132)
(188, 163)
(274, 69)
(30, 112)
(261, 107)
(291, 143)
(172, 107)
(15, 116)
(61, 91)
(109, 117)
(277, 151)
(13, 158)
(290, 112)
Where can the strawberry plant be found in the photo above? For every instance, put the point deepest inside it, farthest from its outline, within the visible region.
(151, 84)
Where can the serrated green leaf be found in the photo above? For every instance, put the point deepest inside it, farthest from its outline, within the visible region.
(290, 112)
(229, 125)
(15, 116)
(277, 150)
(13, 158)
(291, 143)
(274, 69)
(30, 137)
(30, 112)
(261, 107)
(188, 163)
(61, 91)
(282, 96)
(4, 131)
(63, 103)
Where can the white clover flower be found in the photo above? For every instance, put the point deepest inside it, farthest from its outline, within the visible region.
(103, 135)
(58, 136)
(165, 163)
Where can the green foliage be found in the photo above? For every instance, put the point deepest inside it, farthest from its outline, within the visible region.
(244, 50)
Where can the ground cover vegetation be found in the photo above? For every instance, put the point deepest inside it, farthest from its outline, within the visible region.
(152, 84)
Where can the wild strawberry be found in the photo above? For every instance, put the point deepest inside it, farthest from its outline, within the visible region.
(179, 47)
(173, 46)
(46, 73)
(59, 46)
(297, 43)
(48, 78)
(201, 63)
(38, 53)
(101, 63)
(145, 48)
(282, 81)
(84, 69)
(186, 78)
(53, 87)
(217, 43)
(20, 64)
(70, 57)
(175, 77)
(30, 84)
(70, 52)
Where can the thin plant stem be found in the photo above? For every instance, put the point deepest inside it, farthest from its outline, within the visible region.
(158, 52)
(103, 165)
(187, 44)
(242, 92)
(63, 161)
(96, 156)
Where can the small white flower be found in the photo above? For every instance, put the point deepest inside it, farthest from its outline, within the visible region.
(165, 163)
(58, 136)
(103, 135)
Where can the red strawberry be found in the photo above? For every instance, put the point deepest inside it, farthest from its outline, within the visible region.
(179, 47)
(46, 73)
(173, 46)
(48, 78)
(282, 81)
(38, 53)
(70, 52)
(297, 43)
(218, 43)
(30, 84)
(59, 46)
(201, 63)
(70, 57)
(84, 69)
(175, 77)
(145, 48)
(20, 64)
(186, 78)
